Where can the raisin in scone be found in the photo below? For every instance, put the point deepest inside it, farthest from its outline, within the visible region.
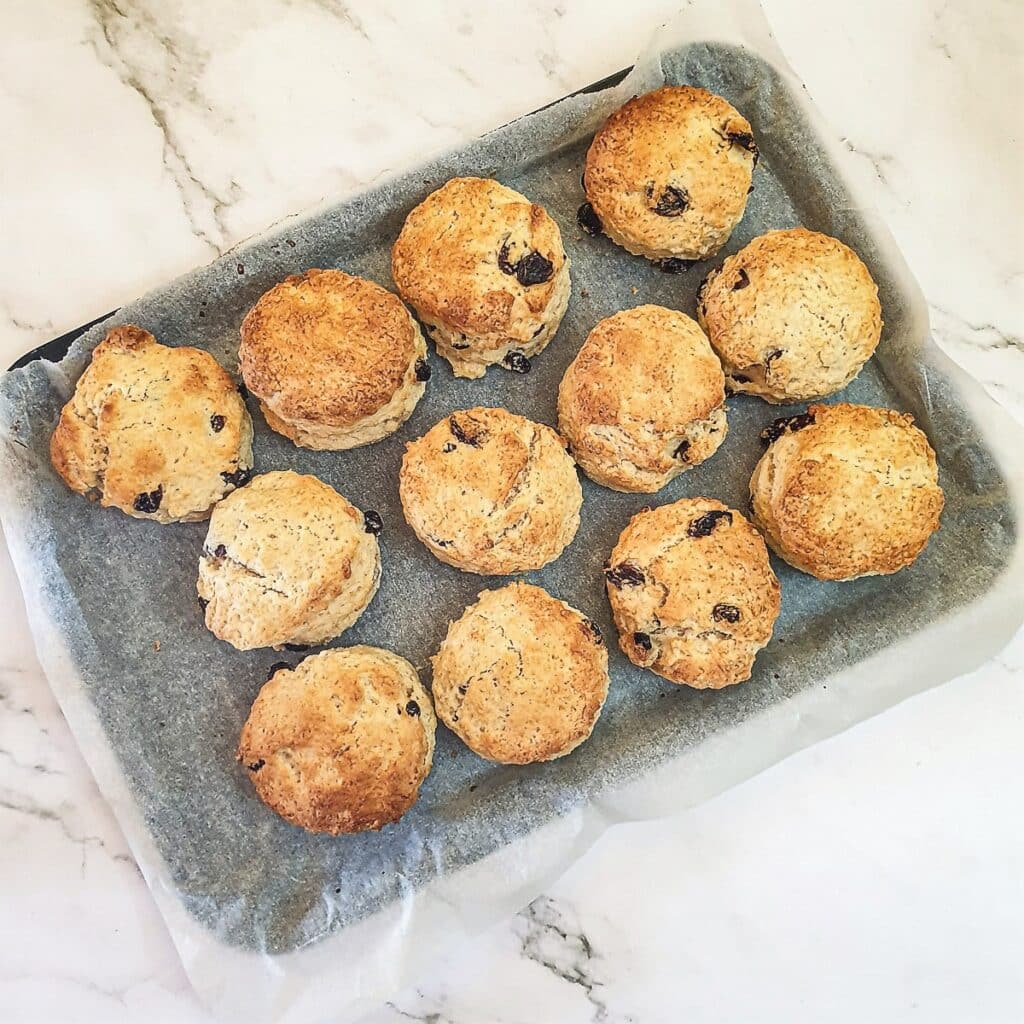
(336, 361)
(486, 272)
(692, 593)
(793, 315)
(160, 433)
(846, 491)
(491, 492)
(667, 175)
(287, 560)
(521, 676)
(342, 742)
(644, 399)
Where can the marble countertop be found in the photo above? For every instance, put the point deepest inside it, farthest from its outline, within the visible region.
(878, 876)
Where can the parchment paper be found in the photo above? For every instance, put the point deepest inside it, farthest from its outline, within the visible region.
(273, 923)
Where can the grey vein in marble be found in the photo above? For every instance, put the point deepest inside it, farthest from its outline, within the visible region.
(551, 936)
(125, 31)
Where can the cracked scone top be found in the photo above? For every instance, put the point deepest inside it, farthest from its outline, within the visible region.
(692, 593)
(486, 272)
(160, 433)
(287, 560)
(793, 315)
(521, 676)
(336, 361)
(643, 400)
(668, 173)
(846, 491)
(491, 492)
(341, 742)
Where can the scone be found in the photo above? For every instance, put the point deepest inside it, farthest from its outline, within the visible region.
(846, 491)
(491, 492)
(160, 433)
(287, 560)
(643, 400)
(336, 361)
(485, 270)
(793, 315)
(692, 592)
(521, 676)
(667, 175)
(342, 742)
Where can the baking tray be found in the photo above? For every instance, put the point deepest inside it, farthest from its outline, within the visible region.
(168, 719)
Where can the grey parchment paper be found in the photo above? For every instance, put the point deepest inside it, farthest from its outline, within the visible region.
(273, 923)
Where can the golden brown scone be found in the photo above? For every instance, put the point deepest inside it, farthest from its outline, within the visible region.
(342, 742)
(521, 676)
(668, 173)
(485, 270)
(793, 315)
(692, 592)
(287, 560)
(336, 361)
(643, 400)
(846, 491)
(491, 492)
(160, 433)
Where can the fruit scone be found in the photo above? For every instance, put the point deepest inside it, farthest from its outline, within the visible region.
(486, 272)
(667, 175)
(692, 592)
(160, 433)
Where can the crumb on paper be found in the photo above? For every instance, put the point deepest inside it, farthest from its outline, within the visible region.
(156, 646)
(635, 290)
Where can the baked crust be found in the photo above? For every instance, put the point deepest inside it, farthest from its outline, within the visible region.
(847, 490)
(459, 262)
(668, 173)
(490, 492)
(332, 359)
(160, 433)
(692, 593)
(342, 742)
(793, 315)
(521, 676)
(643, 400)
(287, 560)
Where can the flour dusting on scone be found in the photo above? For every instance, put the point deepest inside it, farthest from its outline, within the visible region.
(486, 272)
(160, 433)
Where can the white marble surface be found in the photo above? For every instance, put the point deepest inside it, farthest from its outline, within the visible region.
(879, 876)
